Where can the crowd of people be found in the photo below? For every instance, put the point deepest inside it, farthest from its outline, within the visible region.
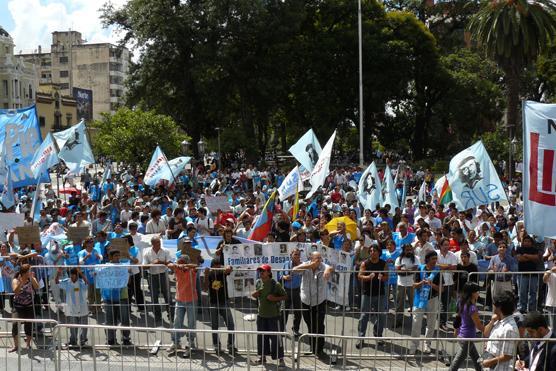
(420, 260)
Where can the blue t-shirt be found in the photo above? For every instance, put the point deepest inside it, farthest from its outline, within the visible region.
(100, 247)
(338, 241)
(133, 253)
(408, 239)
(91, 260)
(390, 259)
(72, 251)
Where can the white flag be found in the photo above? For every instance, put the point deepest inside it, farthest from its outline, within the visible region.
(539, 174)
(473, 178)
(158, 168)
(322, 167)
(422, 195)
(369, 191)
(290, 184)
(45, 156)
(389, 195)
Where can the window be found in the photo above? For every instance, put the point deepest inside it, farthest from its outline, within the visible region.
(5, 88)
(64, 73)
(30, 91)
(64, 86)
(63, 60)
(116, 80)
(115, 66)
(116, 93)
(69, 118)
(45, 63)
(57, 121)
(42, 121)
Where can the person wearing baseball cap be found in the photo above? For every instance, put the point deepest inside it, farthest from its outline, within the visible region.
(269, 294)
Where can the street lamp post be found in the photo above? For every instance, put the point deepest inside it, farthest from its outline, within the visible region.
(513, 145)
(360, 32)
(219, 152)
(201, 146)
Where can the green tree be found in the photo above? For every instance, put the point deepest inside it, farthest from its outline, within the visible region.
(132, 135)
(513, 33)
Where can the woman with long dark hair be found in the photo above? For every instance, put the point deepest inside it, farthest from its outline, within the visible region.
(24, 285)
(467, 327)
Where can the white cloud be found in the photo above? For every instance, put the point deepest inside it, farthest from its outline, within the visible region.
(35, 20)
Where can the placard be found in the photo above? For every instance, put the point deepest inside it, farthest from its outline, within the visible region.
(215, 203)
(78, 234)
(121, 245)
(28, 235)
(193, 254)
(111, 276)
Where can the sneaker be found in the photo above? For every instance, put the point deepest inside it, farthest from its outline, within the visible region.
(380, 343)
(281, 364)
(348, 309)
(232, 349)
(112, 343)
(360, 344)
(296, 334)
(173, 348)
(426, 349)
(260, 361)
(127, 342)
(337, 307)
(69, 345)
(83, 343)
(192, 345)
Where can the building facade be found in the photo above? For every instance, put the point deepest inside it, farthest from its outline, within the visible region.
(18, 78)
(55, 110)
(73, 63)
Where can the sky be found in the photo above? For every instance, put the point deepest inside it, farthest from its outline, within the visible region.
(31, 22)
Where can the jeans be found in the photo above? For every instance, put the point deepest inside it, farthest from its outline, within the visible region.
(293, 306)
(269, 344)
(181, 309)
(528, 288)
(432, 312)
(159, 283)
(226, 314)
(314, 318)
(467, 348)
(551, 316)
(445, 297)
(404, 300)
(117, 313)
(373, 307)
(74, 320)
(135, 291)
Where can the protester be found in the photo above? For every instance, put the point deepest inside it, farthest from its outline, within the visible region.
(76, 308)
(158, 257)
(314, 275)
(24, 286)
(469, 323)
(269, 294)
(292, 285)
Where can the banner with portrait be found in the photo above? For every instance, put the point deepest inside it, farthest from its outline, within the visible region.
(245, 258)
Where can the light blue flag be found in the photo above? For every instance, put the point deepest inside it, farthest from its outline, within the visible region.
(74, 146)
(307, 150)
(290, 185)
(20, 128)
(473, 178)
(7, 197)
(45, 156)
(369, 191)
(37, 203)
(177, 165)
(158, 169)
(389, 196)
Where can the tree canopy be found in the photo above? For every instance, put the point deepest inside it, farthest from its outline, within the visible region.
(266, 71)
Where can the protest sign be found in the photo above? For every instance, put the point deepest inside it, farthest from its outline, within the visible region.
(121, 245)
(111, 276)
(215, 203)
(28, 235)
(9, 221)
(186, 249)
(78, 234)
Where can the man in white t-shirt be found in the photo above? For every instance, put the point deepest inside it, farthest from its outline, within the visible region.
(464, 247)
(447, 262)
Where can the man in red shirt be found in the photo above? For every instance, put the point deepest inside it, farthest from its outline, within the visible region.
(186, 295)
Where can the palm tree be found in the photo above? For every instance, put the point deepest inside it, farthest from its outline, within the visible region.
(513, 33)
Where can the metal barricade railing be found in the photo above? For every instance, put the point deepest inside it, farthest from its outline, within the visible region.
(145, 343)
(17, 322)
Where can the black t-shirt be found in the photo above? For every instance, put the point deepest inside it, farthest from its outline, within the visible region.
(462, 277)
(374, 287)
(217, 288)
(528, 266)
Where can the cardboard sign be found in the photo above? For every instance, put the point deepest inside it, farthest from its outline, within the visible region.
(215, 203)
(78, 234)
(28, 235)
(121, 245)
(193, 254)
